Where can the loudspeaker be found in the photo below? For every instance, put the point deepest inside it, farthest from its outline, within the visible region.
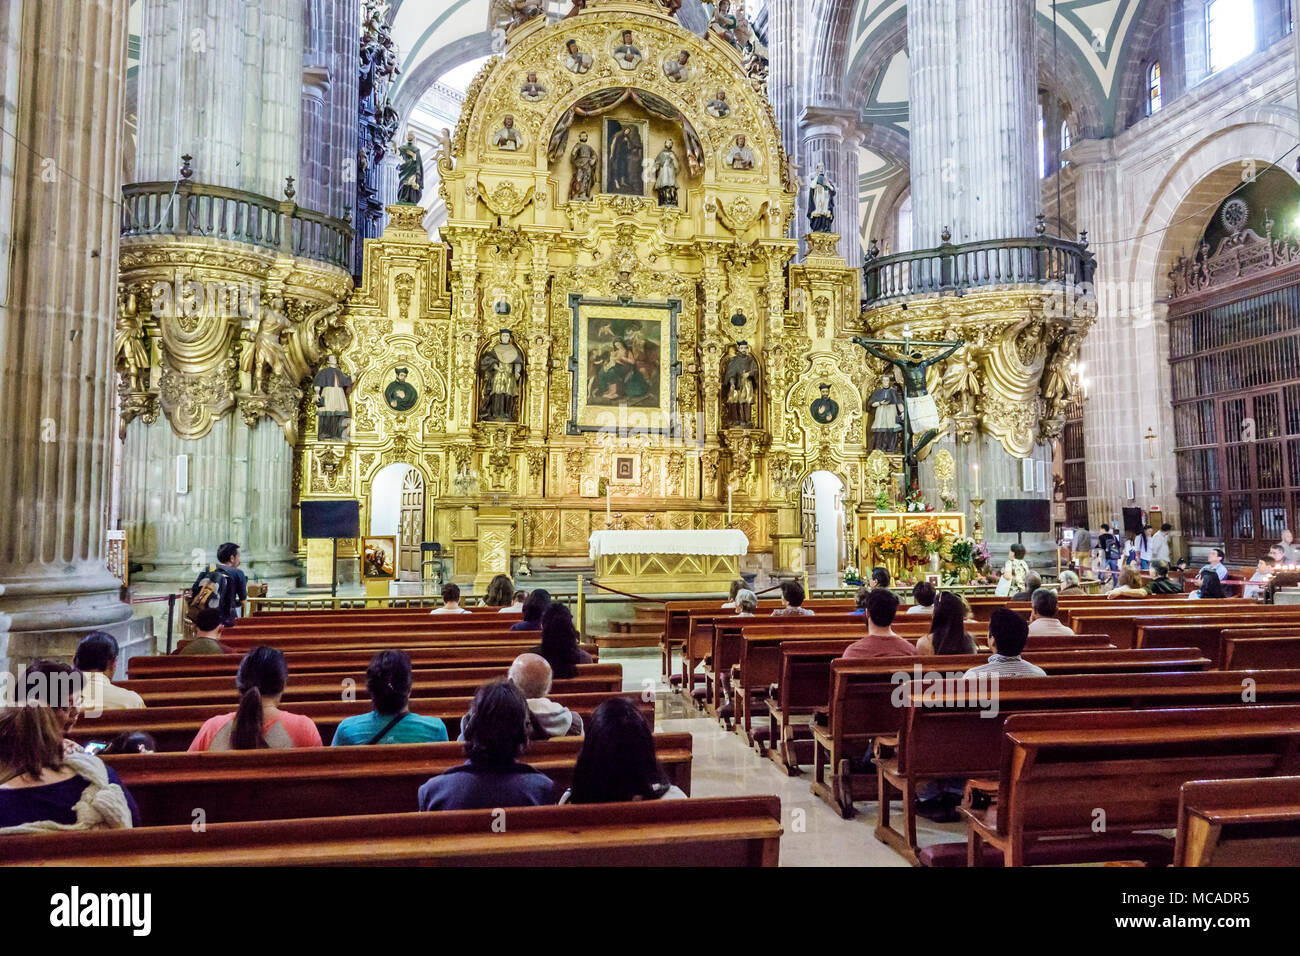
(1017, 515)
(331, 519)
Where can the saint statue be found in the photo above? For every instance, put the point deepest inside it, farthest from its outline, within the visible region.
(676, 68)
(400, 395)
(332, 388)
(740, 386)
(265, 355)
(886, 420)
(132, 346)
(575, 61)
(626, 54)
(410, 172)
(502, 369)
(821, 202)
(666, 169)
(508, 14)
(824, 408)
(584, 159)
(725, 22)
(718, 107)
(532, 91)
(507, 137)
(740, 156)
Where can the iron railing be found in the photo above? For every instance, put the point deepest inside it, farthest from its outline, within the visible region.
(185, 208)
(950, 268)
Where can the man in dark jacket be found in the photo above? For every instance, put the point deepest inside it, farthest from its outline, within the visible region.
(231, 583)
(496, 732)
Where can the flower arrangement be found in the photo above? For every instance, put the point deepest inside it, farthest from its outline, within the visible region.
(963, 550)
(929, 536)
(981, 554)
(851, 577)
(890, 541)
(914, 501)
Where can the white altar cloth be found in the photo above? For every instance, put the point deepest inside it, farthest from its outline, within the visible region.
(729, 541)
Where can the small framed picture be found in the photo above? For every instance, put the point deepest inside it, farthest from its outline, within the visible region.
(935, 579)
(379, 558)
(626, 468)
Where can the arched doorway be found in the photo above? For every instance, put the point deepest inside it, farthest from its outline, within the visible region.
(823, 528)
(397, 508)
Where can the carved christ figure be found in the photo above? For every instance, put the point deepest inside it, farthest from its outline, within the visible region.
(922, 414)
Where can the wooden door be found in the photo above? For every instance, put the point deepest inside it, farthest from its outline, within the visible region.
(411, 527)
(808, 524)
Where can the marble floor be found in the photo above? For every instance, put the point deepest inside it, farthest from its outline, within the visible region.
(723, 765)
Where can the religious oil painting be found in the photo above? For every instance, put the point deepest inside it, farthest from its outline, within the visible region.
(379, 558)
(625, 153)
(624, 364)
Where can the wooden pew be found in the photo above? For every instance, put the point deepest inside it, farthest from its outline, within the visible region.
(355, 614)
(1058, 769)
(345, 625)
(1262, 649)
(862, 706)
(1120, 622)
(437, 682)
(951, 736)
(309, 662)
(381, 640)
(1207, 633)
(726, 831)
(1249, 822)
(174, 728)
(244, 785)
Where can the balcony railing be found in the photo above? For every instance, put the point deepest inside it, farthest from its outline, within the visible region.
(955, 269)
(188, 208)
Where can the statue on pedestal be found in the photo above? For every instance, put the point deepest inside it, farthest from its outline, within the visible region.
(584, 159)
(410, 172)
(332, 413)
(666, 169)
(821, 202)
(740, 386)
(885, 404)
(266, 355)
(502, 369)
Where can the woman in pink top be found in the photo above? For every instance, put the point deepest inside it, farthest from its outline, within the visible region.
(259, 721)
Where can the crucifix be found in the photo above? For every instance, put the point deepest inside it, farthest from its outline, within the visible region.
(920, 416)
(1151, 437)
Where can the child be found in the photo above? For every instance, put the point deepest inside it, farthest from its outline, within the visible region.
(1263, 571)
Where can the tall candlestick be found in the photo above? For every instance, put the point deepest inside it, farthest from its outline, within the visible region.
(608, 492)
(728, 504)
(976, 469)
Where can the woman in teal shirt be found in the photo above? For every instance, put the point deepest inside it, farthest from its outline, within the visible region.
(388, 679)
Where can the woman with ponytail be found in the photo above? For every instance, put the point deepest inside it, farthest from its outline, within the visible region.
(259, 721)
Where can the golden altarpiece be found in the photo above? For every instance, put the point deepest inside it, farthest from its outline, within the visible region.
(624, 310)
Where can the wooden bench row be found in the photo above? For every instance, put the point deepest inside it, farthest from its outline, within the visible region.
(731, 831)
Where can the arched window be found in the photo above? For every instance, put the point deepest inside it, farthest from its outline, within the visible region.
(1230, 31)
(1154, 97)
(1066, 141)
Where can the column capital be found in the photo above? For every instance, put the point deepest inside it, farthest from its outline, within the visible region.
(1088, 152)
(829, 121)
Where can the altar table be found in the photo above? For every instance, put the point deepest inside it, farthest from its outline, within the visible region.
(668, 562)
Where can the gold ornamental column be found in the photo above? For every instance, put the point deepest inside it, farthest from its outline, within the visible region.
(56, 327)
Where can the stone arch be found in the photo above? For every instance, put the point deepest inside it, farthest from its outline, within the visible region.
(441, 61)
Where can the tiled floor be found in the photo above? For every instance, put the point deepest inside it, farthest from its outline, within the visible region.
(724, 765)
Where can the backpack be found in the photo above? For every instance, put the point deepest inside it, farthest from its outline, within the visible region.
(1112, 548)
(206, 587)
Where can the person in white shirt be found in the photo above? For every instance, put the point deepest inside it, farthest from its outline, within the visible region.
(96, 659)
(450, 601)
(1263, 571)
(1160, 544)
(518, 606)
(736, 587)
(1009, 632)
(1290, 553)
(1043, 619)
(923, 594)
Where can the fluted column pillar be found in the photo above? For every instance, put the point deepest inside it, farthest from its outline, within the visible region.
(328, 175)
(222, 82)
(932, 118)
(830, 137)
(56, 323)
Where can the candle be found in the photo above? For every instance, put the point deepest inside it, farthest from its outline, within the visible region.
(728, 504)
(976, 469)
(608, 492)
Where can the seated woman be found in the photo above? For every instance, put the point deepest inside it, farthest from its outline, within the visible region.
(617, 761)
(1130, 585)
(560, 643)
(736, 587)
(496, 732)
(132, 742)
(259, 721)
(1070, 584)
(44, 788)
(1211, 587)
(746, 603)
(947, 629)
(535, 605)
(500, 591)
(516, 605)
(1162, 583)
(792, 598)
(56, 685)
(860, 599)
(388, 679)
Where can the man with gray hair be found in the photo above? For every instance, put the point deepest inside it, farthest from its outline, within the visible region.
(746, 603)
(1043, 620)
(531, 673)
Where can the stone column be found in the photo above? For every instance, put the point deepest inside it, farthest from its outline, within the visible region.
(222, 82)
(328, 173)
(56, 323)
(1126, 353)
(932, 132)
